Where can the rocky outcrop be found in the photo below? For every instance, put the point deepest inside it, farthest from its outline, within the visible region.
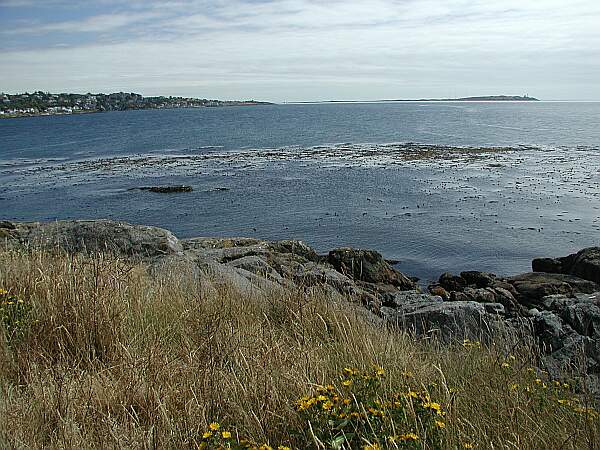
(93, 236)
(559, 308)
(532, 287)
(583, 264)
(368, 266)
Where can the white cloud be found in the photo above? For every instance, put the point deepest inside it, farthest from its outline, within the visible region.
(305, 49)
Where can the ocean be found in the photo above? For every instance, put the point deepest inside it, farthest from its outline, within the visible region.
(438, 187)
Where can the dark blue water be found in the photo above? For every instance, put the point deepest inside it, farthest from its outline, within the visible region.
(326, 174)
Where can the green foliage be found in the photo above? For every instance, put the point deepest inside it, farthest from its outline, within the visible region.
(358, 413)
(15, 316)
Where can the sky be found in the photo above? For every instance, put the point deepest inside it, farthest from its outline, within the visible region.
(303, 50)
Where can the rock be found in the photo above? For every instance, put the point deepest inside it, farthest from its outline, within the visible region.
(402, 299)
(92, 236)
(166, 189)
(456, 296)
(297, 248)
(368, 266)
(452, 282)
(181, 266)
(548, 265)
(584, 264)
(449, 320)
(439, 291)
(7, 225)
(257, 266)
(479, 279)
(581, 312)
(532, 287)
(485, 295)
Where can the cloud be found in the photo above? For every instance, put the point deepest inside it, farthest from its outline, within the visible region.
(306, 49)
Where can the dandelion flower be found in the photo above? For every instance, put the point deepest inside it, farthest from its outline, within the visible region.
(226, 435)
(408, 437)
(207, 435)
(214, 426)
(440, 424)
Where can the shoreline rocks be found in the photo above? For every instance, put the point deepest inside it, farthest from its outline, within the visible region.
(560, 307)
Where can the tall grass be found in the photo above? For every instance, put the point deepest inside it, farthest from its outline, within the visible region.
(115, 358)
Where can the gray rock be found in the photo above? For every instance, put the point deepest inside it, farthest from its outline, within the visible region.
(548, 265)
(452, 282)
(257, 266)
(584, 264)
(483, 295)
(479, 279)
(99, 236)
(449, 320)
(532, 287)
(368, 266)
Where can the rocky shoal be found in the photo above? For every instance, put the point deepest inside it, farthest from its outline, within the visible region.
(557, 305)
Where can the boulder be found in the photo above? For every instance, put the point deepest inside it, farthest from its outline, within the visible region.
(584, 264)
(448, 320)
(439, 291)
(93, 236)
(368, 266)
(581, 312)
(548, 265)
(532, 287)
(452, 282)
(479, 279)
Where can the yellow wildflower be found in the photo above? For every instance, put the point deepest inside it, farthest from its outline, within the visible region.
(327, 405)
(379, 371)
(226, 435)
(433, 406)
(214, 426)
(505, 365)
(3, 292)
(372, 447)
(467, 445)
(347, 383)
(349, 372)
(440, 424)
(408, 437)
(207, 435)
(412, 394)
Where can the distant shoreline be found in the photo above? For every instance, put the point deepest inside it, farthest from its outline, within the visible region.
(489, 98)
(47, 104)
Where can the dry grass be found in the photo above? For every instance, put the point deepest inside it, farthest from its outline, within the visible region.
(116, 359)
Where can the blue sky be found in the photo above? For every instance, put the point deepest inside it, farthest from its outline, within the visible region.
(291, 50)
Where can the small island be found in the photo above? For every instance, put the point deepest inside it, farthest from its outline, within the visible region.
(483, 98)
(46, 104)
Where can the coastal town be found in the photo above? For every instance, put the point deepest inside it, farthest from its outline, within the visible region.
(45, 104)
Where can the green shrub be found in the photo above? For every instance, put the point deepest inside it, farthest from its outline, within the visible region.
(15, 316)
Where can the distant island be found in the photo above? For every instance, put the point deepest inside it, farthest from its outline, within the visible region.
(45, 104)
(483, 98)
